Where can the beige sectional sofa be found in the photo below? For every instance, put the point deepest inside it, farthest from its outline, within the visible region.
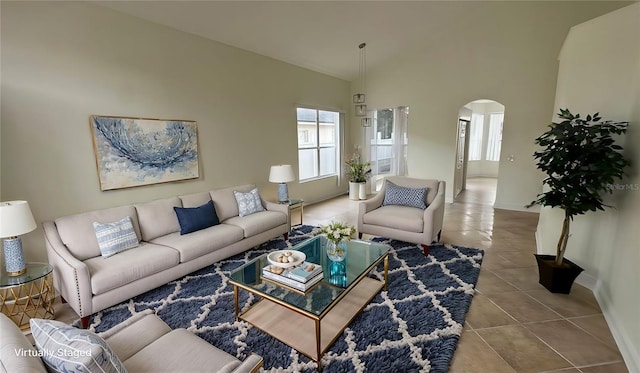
(91, 283)
(143, 343)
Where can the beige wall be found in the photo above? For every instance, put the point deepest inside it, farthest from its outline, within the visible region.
(600, 71)
(62, 62)
(503, 51)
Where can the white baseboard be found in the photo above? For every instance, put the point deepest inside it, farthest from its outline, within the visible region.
(630, 355)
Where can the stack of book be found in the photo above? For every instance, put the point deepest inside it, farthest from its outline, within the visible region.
(300, 278)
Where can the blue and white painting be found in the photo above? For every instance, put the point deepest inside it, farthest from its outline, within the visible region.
(132, 152)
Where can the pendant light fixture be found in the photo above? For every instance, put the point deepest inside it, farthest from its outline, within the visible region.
(359, 98)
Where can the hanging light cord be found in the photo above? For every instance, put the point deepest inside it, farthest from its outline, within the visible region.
(363, 67)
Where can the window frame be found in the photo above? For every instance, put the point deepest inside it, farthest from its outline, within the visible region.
(318, 144)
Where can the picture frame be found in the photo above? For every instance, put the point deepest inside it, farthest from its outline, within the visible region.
(132, 152)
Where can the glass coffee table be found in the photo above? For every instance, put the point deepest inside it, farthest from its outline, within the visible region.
(311, 322)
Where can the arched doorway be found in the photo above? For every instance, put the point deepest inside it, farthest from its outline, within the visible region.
(479, 142)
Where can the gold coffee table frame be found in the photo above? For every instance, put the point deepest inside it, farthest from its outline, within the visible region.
(312, 333)
(29, 295)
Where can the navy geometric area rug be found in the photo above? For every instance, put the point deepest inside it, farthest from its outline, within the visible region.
(412, 327)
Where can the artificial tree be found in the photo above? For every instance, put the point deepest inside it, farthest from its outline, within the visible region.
(582, 162)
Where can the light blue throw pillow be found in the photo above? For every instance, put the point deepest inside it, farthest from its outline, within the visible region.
(403, 196)
(248, 203)
(68, 349)
(115, 237)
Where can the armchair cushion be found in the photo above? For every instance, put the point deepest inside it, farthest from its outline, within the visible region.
(404, 196)
(403, 218)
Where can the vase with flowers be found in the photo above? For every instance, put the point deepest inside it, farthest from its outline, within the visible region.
(337, 234)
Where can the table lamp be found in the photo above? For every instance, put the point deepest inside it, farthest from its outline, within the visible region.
(282, 174)
(15, 219)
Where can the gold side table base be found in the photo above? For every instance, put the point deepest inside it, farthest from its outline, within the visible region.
(33, 299)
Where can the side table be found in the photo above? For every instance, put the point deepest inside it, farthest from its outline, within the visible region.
(29, 295)
(295, 205)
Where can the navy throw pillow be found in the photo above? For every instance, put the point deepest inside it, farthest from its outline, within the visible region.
(193, 219)
(403, 196)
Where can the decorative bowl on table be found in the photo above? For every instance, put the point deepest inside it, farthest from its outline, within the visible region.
(286, 258)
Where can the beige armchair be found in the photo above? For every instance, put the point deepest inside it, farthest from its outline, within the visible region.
(410, 224)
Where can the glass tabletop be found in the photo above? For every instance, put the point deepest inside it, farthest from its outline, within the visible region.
(339, 277)
(34, 272)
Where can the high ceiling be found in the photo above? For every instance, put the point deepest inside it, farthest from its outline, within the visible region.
(321, 35)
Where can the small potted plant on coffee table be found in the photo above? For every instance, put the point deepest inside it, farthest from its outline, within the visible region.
(582, 161)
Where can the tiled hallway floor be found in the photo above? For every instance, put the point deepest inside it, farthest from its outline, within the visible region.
(514, 324)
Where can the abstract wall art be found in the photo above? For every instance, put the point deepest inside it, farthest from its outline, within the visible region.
(139, 151)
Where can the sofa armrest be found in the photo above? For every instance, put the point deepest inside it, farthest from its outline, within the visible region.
(12, 342)
(72, 275)
(434, 214)
(125, 324)
(251, 364)
(368, 205)
(135, 333)
(280, 207)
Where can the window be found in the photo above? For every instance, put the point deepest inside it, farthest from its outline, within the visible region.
(318, 150)
(475, 137)
(387, 145)
(494, 142)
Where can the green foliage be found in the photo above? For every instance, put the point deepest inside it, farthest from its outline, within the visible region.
(358, 171)
(581, 161)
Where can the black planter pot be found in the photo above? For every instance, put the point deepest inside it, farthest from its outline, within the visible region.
(557, 279)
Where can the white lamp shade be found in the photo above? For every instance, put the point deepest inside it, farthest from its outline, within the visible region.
(15, 218)
(281, 174)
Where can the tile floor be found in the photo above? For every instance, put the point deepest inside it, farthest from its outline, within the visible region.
(514, 324)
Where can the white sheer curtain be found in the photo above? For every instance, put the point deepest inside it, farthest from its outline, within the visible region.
(400, 140)
(494, 142)
(386, 145)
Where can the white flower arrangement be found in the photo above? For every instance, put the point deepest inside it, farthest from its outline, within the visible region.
(337, 232)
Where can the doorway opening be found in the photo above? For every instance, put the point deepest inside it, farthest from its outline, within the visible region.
(479, 143)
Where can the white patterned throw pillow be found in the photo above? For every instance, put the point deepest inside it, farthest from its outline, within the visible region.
(403, 196)
(248, 203)
(115, 237)
(68, 349)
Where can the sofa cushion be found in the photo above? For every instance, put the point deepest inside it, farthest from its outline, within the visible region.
(225, 202)
(197, 244)
(193, 219)
(157, 218)
(68, 349)
(248, 203)
(77, 233)
(128, 266)
(194, 353)
(16, 352)
(195, 199)
(405, 218)
(404, 196)
(259, 222)
(115, 237)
